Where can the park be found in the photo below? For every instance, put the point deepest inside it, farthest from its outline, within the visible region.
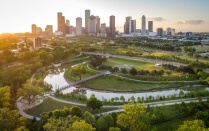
(101, 80)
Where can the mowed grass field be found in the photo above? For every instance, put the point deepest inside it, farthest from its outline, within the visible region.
(194, 59)
(159, 54)
(137, 64)
(113, 83)
(199, 48)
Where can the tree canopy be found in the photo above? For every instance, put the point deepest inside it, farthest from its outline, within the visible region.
(194, 125)
(134, 116)
(29, 92)
(94, 103)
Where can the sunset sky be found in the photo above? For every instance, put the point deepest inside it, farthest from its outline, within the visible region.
(183, 15)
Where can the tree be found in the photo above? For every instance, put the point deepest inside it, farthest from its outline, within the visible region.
(122, 98)
(134, 116)
(133, 71)
(75, 111)
(96, 61)
(94, 103)
(207, 80)
(168, 73)
(123, 70)
(10, 120)
(78, 71)
(116, 69)
(114, 129)
(132, 98)
(181, 93)
(89, 118)
(9, 56)
(4, 96)
(82, 126)
(102, 124)
(29, 92)
(204, 116)
(60, 124)
(195, 125)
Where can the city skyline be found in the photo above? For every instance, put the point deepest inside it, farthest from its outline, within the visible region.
(164, 13)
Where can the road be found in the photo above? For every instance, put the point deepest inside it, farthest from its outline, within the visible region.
(137, 58)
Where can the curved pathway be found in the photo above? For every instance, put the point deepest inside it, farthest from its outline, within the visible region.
(162, 103)
(19, 106)
(149, 103)
(152, 104)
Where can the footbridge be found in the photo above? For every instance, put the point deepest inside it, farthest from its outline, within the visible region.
(84, 80)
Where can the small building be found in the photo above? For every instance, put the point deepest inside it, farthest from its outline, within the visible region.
(37, 42)
(205, 42)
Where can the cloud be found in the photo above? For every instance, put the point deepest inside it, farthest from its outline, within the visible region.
(160, 19)
(191, 22)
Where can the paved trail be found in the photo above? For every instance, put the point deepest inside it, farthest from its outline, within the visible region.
(152, 104)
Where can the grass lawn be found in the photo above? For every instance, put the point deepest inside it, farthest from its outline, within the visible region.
(194, 59)
(88, 73)
(199, 48)
(114, 83)
(137, 64)
(159, 54)
(50, 105)
(171, 125)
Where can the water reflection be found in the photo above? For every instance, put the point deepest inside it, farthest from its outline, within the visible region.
(55, 77)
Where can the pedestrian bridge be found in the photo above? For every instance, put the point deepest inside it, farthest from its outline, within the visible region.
(83, 80)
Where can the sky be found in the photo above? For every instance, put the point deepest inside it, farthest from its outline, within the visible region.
(182, 15)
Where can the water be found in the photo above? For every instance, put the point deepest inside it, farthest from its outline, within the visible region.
(57, 80)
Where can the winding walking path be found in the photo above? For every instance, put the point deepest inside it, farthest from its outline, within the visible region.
(152, 104)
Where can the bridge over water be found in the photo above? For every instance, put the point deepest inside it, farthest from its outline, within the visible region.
(83, 80)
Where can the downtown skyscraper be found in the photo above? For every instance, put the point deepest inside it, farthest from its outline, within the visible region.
(78, 26)
(127, 26)
(33, 29)
(150, 26)
(61, 23)
(112, 26)
(143, 25)
(133, 26)
(87, 16)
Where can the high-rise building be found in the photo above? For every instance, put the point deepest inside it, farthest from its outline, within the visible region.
(128, 25)
(173, 32)
(49, 30)
(103, 32)
(67, 26)
(38, 30)
(87, 15)
(189, 34)
(133, 26)
(150, 26)
(78, 26)
(33, 29)
(112, 26)
(98, 25)
(37, 42)
(168, 31)
(143, 25)
(67, 23)
(61, 23)
(92, 25)
(159, 31)
(71, 30)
